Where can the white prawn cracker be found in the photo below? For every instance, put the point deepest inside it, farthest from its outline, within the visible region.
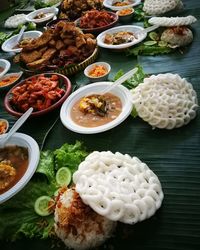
(172, 21)
(119, 187)
(165, 101)
(158, 7)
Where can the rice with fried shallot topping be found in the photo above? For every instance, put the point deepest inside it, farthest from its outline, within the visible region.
(77, 225)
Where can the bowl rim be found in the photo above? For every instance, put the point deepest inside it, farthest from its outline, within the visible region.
(20, 73)
(6, 68)
(5, 43)
(118, 29)
(121, 91)
(86, 70)
(67, 83)
(30, 16)
(7, 125)
(98, 29)
(107, 4)
(34, 151)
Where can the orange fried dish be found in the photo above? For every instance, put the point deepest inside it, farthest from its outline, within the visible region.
(95, 19)
(37, 92)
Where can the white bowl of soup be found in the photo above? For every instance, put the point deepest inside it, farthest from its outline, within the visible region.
(88, 112)
(19, 158)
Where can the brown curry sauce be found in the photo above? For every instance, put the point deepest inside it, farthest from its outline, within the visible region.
(12, 158)
(92, 119)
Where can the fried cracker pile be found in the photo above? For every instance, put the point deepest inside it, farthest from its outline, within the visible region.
(58, 46)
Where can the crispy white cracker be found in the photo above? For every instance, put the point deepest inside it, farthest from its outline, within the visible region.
(165, 101)
(119, 187)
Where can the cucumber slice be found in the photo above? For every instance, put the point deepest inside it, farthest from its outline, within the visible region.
(154, 36)
(42, 205)
(63, 176)
(150, 43)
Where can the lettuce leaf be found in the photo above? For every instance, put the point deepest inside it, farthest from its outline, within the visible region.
(18, 217)
(70, 156)
(148, 50)
(136, 79)
(46, 165)
(133, 82)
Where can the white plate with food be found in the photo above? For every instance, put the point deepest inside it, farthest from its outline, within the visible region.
(11, 45)
(120, 4)
(4, 67)
(86, 111)
(42, 15)
(20, 159)
(121, 37)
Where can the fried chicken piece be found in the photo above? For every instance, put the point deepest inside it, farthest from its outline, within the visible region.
(91, 43)
(68, 41)
(80, 41)
(49, 53)
(52, 43)
(28, 57)
(31, 56)
(89, 35)
(40, 41)
(59, 44)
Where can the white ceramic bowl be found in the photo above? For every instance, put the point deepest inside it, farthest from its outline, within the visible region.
(109, 4)
(5, 65)
(9, 44)
(34, 156)
(130, 28)
(120, 91)
(52, 11)
(98, 78)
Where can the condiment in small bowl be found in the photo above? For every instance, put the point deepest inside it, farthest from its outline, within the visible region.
(125, 15)
(98, 71)
(4, 125)
(9, 80)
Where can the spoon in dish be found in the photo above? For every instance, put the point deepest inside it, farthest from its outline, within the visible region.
(115, 83)
(16, 126)
(119, 81)
(149, 29)
(21, 33)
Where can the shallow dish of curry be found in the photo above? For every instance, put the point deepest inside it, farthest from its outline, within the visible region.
(86, 111)
(19, 158)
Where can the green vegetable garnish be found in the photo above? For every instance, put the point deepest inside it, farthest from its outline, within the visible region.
(148, 50)
(136, 79)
